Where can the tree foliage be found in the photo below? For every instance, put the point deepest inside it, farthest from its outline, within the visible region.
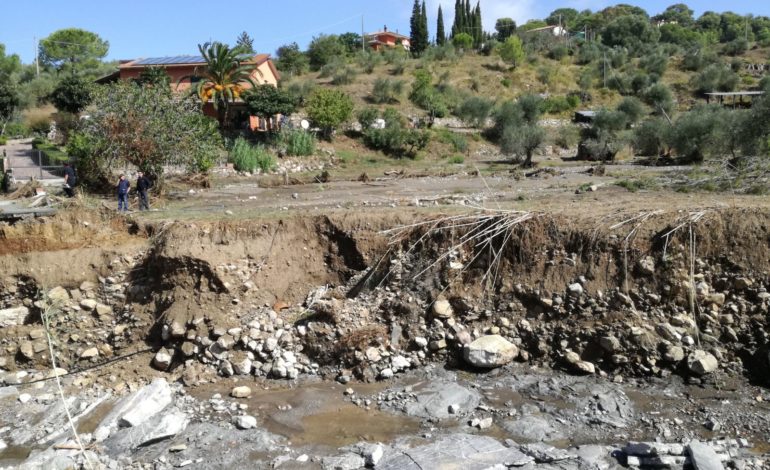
(244, 44)
(418, 29)
(146, 127)
(267, 101)
(9, 103)
(328, 108)
(73, 50)
(395, 138)
(440, 30)
(223, 78)
(291, 60)
(505, 27)
(324, 49)
(72, 95)
(630, 31)
(154, 76)
(512, 51)
(468, 21)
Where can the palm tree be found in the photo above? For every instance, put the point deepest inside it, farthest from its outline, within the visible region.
(223, 79)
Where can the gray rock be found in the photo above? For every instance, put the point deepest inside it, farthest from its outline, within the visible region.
(58, 295)
(534, 428)
(491, 351)
(471, 452)
(434, 400)
(157, 428)
(162, 359)
(89, 353)
(13, 316)
(88, 304)
(347, 461)
(701, 363)
(145, 403)
(544, 453)
(245, 422)
(703, 457)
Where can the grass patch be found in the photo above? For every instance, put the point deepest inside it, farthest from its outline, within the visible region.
(456, 159)
(638, 184)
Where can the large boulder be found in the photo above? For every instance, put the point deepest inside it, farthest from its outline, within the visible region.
(491, 351)
(701, 363)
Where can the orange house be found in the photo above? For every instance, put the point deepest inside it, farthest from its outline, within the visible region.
(382, 39)
(183, 73)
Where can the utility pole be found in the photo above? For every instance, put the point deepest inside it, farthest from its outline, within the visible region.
(37, 49)
(604, 64)
(363, 36)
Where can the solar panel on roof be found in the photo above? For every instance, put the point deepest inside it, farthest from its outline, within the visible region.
(180, 59)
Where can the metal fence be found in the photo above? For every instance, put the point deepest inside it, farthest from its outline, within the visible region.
(41, 167)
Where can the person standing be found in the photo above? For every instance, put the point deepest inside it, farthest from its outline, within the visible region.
(142, 185)
(123, 187)
(70, 180)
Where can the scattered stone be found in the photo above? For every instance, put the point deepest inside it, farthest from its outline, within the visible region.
(13, 316)
(58, 295)
(241, 392)
(145, 403)
(162, 359)
(245, 422)
(89, 353)
(442, 309)
(88, 304)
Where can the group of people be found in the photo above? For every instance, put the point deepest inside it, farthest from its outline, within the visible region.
(143, 184)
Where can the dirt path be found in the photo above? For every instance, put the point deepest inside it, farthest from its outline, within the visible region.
(23, 159)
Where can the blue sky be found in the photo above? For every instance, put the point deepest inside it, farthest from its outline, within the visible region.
(151, 28)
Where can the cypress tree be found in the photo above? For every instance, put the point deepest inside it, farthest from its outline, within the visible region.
(468, 18)
(478, 35)
(424, 27)
(440, 34)
(415, 23)
(457, 27)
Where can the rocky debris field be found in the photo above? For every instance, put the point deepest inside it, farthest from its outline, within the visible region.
(584, 349)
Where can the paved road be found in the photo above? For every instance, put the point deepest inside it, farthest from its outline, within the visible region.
(24, 162)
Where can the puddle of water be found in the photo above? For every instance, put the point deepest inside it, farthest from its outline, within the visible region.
(13, 455)
(320, 414)
(88, 423)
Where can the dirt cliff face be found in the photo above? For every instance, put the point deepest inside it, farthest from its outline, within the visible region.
(635, 294)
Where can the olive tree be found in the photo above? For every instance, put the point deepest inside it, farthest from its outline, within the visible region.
(328, 108)
(146, 127)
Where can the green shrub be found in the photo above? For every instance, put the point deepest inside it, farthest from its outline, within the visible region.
(475, 111)
(457, 141)
(559, 104)
(40, 126)
(456, 159)
(247, 157)
(301, 91)
(298, 142)
(3, 140)
(386, 91)
(558, 52)
(344, 76)
(17, 129)
(369, 60)
(506, 82)
(395, 139)
(567, 136)
(715, 77)
(440, 53)
(650, 137)
(367, 116)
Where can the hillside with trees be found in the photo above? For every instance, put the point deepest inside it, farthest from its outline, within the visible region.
(644, 75)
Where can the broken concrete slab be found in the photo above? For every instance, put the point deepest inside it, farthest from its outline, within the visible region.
(475, 453)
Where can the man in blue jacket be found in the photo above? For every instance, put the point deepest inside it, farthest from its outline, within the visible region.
(123, 187)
